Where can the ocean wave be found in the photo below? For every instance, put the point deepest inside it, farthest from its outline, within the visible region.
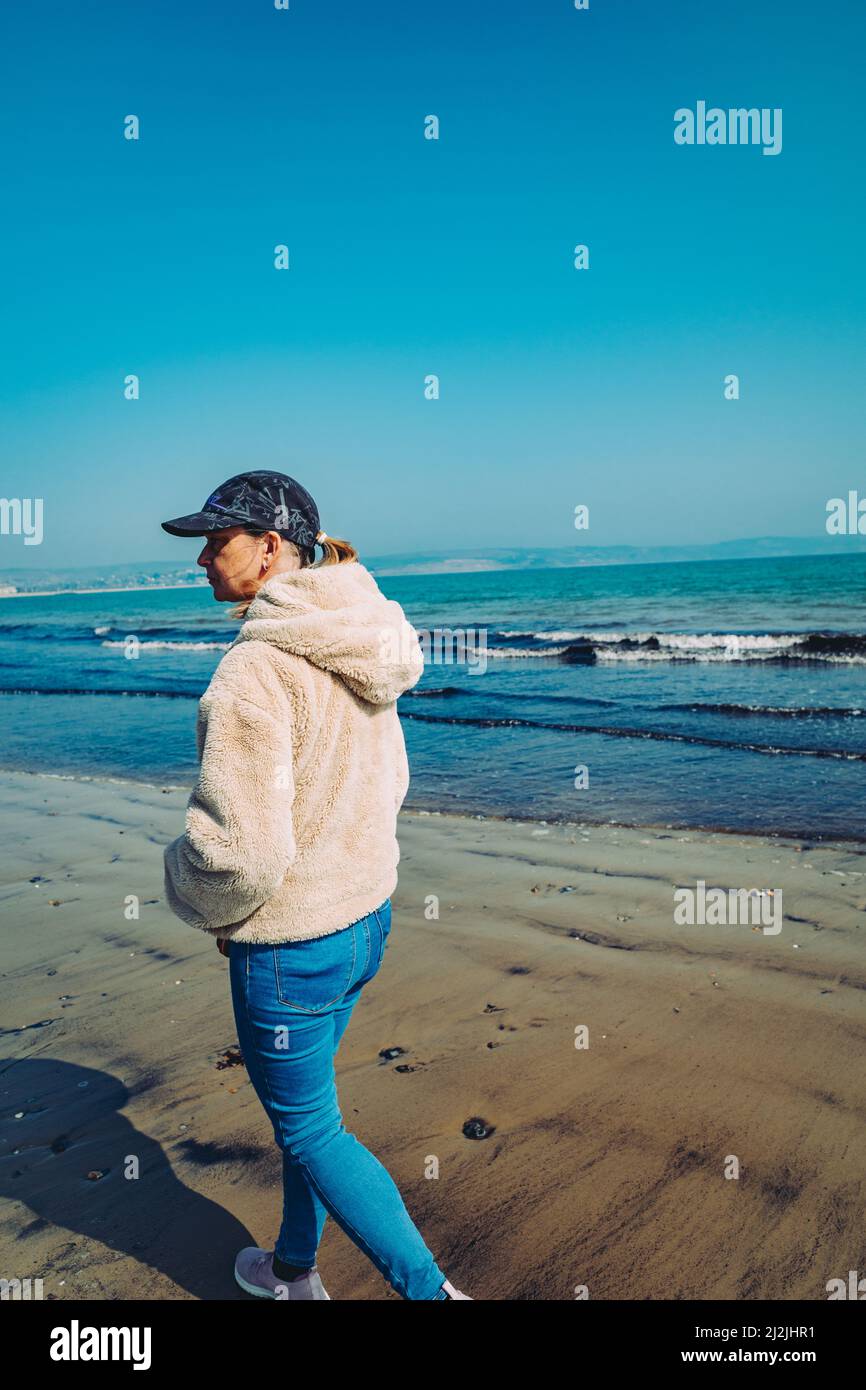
(835, 648)
(170, 646)
(85, 690)
(440, 690)
(655, 735)
(771, 711)
(172, 636)
(517, 652)
(536, 697)
(563, 645)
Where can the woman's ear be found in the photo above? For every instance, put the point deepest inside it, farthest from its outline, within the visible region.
(273, 545)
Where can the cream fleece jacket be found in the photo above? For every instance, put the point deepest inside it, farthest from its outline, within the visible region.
(291, 826)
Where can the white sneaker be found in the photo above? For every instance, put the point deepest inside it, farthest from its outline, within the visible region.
(455, 1293)
(254, 1273)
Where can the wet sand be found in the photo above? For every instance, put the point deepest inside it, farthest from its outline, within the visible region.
(135, 1163)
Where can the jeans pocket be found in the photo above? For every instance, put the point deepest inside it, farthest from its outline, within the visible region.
(312, 975)
(383, 917)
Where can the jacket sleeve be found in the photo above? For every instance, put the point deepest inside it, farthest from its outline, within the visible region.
(239, 838)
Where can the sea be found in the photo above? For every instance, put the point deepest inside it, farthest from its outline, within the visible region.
(726, 695)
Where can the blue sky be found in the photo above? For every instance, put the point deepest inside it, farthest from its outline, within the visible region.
(410, 257)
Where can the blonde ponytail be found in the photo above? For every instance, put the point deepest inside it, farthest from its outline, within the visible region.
(336, 552)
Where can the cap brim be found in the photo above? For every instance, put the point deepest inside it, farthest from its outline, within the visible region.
(197, 524)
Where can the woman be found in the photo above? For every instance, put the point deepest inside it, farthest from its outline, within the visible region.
(289, 857)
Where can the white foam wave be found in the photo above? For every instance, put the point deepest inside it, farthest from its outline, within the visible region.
(174, 646)
(726, 654)
(674, 640)
(505, 652)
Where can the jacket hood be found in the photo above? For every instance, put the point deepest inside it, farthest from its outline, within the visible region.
(338, 618)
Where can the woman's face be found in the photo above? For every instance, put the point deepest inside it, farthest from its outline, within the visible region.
(237, 564)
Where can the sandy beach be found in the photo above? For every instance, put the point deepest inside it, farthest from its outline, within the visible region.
(135, 1162)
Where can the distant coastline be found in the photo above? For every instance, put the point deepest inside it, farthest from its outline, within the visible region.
(101, 589)
(142, 576)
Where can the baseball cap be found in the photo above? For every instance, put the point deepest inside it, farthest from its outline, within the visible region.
(260, 501)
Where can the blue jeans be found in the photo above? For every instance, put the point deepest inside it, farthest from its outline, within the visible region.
(292, 1002)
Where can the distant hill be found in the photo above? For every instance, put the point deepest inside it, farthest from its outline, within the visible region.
(568, 557)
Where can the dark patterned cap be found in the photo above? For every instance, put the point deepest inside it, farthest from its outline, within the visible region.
(260, 502)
